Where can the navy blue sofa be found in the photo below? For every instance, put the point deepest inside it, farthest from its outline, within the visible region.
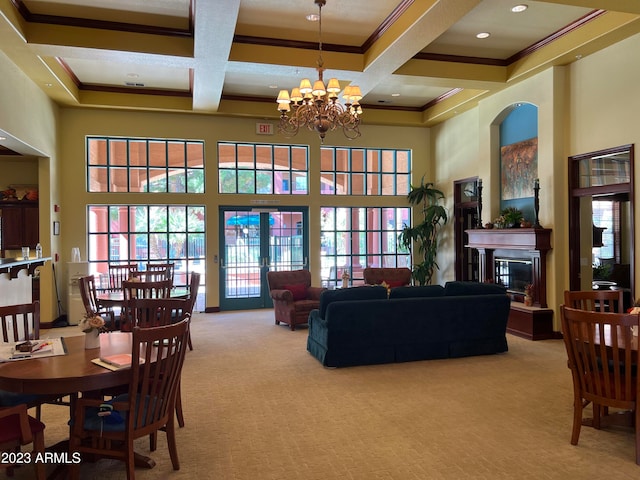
(365, 325)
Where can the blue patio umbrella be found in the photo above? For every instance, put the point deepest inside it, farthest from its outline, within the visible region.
(247, 220)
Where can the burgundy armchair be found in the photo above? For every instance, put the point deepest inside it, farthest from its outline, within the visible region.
(393, 277)
(293, 296)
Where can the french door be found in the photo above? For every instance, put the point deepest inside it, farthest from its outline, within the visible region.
(254, 241)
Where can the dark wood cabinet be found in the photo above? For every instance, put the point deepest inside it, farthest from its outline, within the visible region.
(20, 225)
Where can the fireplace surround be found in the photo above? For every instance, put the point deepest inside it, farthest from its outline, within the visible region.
(513, 256)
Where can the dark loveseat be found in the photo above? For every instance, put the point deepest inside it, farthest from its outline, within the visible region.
(361, 326)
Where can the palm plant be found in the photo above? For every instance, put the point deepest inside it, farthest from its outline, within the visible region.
(425, 234)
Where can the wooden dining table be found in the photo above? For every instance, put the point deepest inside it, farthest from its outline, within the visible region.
(73, 373)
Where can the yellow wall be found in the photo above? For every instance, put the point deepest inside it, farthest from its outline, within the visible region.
(79, 123)
(29, 118)
(587, 106)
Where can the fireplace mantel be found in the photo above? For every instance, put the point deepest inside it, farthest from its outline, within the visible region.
(533, 243)
(511, 238)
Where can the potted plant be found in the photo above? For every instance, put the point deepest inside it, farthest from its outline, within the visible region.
(425, 234)
(511, 217)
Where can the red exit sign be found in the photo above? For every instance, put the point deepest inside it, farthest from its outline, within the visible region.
(264, 128)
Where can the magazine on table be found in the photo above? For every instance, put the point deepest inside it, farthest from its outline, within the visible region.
(115, 362)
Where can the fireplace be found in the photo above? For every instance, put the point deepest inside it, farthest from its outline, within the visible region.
(514, 273)
(515, 258)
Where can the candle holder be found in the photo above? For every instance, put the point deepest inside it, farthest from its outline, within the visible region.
(536, 202)
(479, 191)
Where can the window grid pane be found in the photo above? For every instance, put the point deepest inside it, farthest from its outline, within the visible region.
(143, 233)
(358, 171)
(144, 165)
(355, 238)
(263, 169)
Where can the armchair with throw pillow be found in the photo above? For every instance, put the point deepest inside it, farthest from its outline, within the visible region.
(293, 296)
(392, 277)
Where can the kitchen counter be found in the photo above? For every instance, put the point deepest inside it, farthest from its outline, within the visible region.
(13, 265)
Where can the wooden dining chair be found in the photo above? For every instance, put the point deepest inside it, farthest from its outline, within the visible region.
(167, 269)
(92, 304)
(147, 407)
(17, 428)
(139, 289)
(155, 312)
(118, 273)
(604, 358)
(194, 288)
(21, 323)
(595, 300)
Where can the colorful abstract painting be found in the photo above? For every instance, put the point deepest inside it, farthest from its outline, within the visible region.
(519, 168)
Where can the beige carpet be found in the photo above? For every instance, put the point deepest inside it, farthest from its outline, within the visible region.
(258, 406)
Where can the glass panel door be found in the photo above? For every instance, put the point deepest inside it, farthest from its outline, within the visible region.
(254, 241)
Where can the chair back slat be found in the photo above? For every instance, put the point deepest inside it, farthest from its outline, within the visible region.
(136, 289)
(194, 287)
(603, 355)
(152, 312)
(20, 322)
(595, 300)
(164, 269)
(154, 382)
(88, 293)
(119, 274)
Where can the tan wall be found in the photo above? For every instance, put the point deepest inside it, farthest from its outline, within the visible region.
(81, 122)
(590, 105)
(29, 118)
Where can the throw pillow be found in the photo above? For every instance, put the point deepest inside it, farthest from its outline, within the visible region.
(394, 284)
(299, 291)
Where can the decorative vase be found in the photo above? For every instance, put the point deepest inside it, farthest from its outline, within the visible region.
(92, 339)
(528, 300)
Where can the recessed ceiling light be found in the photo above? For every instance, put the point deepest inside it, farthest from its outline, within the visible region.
(483, 35)
(48, 85)
(273, 86)
(3, 138)
(313, 17)
(519, 8)
(395, 94)
(132, 75)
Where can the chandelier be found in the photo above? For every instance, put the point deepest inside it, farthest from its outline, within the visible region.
(318, 107)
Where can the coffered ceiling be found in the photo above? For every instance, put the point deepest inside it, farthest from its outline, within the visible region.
(417, 62)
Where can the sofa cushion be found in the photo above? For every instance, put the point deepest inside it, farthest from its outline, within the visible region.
(353, 293)
(417, 291)
(298, 290)
(472, 288)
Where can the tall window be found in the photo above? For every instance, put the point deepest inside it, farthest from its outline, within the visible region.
(263, 169)
(364, 171)
(355, 238)
(143, 233)
(144, 165)
(605, 215)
